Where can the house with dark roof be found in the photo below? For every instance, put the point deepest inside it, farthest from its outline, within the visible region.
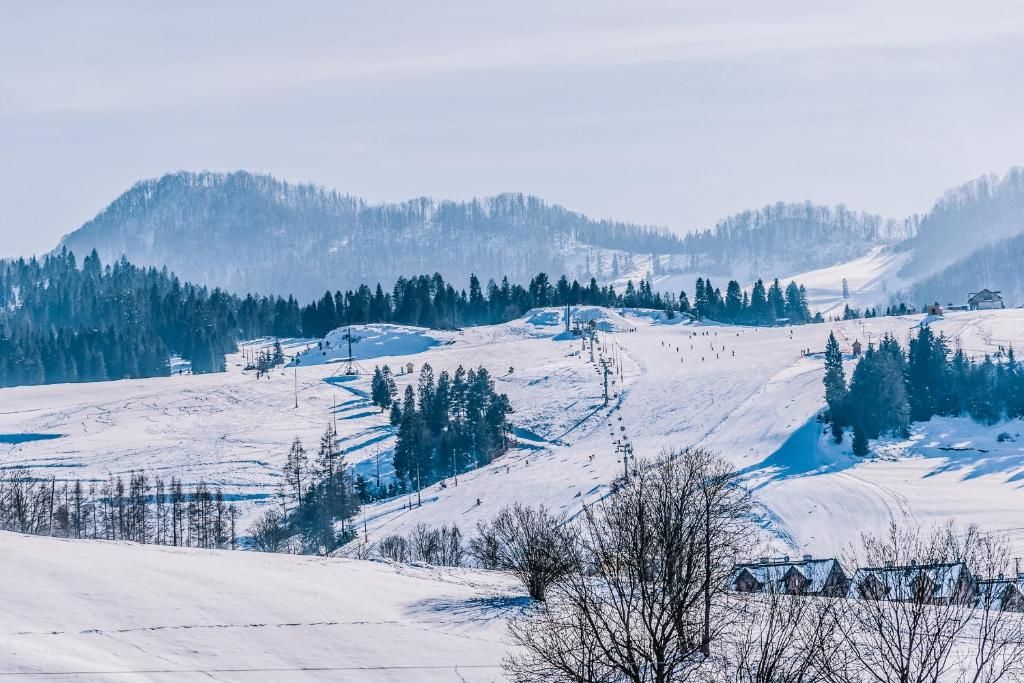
(806, 576)
(1002, 593)
(985, 300)
(940, 583)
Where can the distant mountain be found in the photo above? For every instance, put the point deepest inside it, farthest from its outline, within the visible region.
(248, 232)
(789, 238)
(967, 218)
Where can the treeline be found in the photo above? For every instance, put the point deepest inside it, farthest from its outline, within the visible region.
(789, 237)
(850, 313)
(247, 232)
(891, 387)
(430, 301)
(62, 323)
(761, 307)
(140, 509)
(446, 425)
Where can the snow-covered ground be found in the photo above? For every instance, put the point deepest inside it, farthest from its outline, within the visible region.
(370, 341)
(103, 611)
(748, 392)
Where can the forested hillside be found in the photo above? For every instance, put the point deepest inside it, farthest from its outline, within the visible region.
(999, 266)
(62, 323)
(789, 238)
(246, 232)
(974, 215)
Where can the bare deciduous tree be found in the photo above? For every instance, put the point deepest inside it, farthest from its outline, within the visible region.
(908, 617)
(645, 597)
(268, 534)
(394, 548)
(778, 637)
(532, 544)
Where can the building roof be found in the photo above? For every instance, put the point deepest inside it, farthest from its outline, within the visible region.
(1000, 588)
(984, 295)
(900, 582)
(767, 571)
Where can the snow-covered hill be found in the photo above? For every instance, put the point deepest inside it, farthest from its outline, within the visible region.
(247, 232)
(103, 611)
(748, 392)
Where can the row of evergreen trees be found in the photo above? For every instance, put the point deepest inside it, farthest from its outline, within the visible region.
(430, 301)
(850, 313)
(445, 425)
(139, 509)
(763, 306)
(891, 387)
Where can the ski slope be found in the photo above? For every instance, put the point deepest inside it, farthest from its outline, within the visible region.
(104, 611)
(749, 393)
(871, 279)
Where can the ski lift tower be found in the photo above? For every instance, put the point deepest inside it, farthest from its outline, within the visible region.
(351, 367)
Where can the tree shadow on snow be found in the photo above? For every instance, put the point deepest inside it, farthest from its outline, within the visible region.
(801, 455)
(474, 609)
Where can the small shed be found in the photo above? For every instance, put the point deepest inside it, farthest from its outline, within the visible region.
(934, 309)
(857, 348)
(985, 300)
(409, 368)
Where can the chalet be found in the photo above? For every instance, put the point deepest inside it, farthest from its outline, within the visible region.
(934, 309)
(985, 300)
(806, 576)
(942, 583)
(1002, 593)
(857, 348)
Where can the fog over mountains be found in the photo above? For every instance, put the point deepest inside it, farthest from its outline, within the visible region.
(248, 232)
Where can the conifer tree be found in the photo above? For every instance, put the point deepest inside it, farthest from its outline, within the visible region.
(835, 386)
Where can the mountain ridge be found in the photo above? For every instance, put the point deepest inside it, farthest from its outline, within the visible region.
(250, 232)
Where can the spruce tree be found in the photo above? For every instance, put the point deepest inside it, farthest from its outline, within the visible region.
(835, 386)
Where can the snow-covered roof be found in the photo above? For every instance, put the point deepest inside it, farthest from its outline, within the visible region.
(816, 572)
(985, 295)
(901, 582)
(1000, 589)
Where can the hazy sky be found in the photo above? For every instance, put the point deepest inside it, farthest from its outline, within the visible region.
(674, 113)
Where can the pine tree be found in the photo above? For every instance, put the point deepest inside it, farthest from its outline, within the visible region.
(860, 440)
(380, 390)
(295, 470)
(835, 386)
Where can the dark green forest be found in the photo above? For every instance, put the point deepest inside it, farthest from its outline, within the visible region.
(892, 387)
(61, 322)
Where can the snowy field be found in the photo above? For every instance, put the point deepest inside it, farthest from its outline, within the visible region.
(104, 611)
(747, 392)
